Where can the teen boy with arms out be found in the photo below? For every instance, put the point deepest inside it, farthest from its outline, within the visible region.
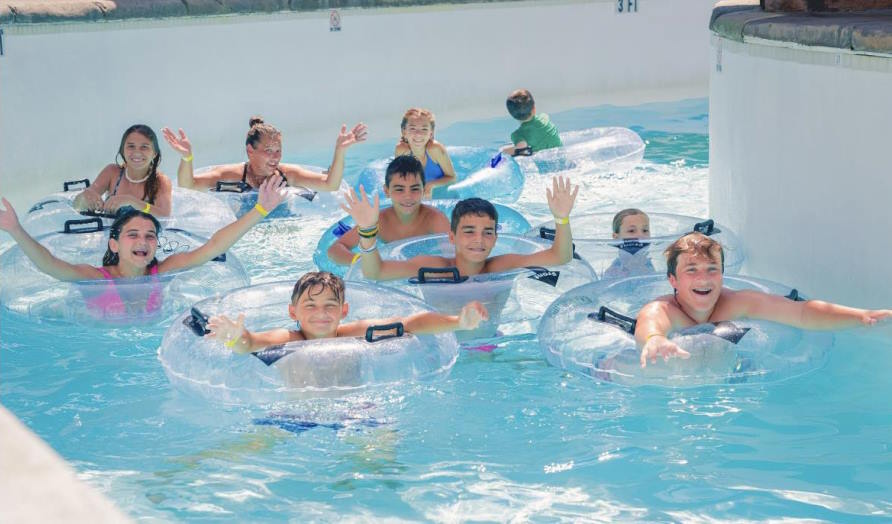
(695, 265)
(408, 217)
(317, 304)
(473, 232)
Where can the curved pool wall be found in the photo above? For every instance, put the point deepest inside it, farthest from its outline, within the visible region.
(799, 141)
(71, 86)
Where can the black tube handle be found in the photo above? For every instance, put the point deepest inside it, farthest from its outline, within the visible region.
(609, 316)
(67, 185)
(393, 330)
(424, 276)
(70, 225)
(795, 296)
(225, 186)
(707, 227)
(523, 151)
(197, 322)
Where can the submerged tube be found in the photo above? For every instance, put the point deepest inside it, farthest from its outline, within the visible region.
(152, 299)
(577, 335)
(193, 211)
(594, 149)
(515, 299)
(510, 221)
(480, 172)
(307, 368)
(592, 236)
(299, 201)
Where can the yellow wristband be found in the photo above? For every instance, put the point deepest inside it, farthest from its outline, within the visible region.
(231, 342)
(355, 258)
(147, 208)
(652, 335)
(188, 158)
(562, 221)
(259, 208)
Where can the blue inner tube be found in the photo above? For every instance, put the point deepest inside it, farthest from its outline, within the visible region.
(572, 336)
(323, 367)
(611, 259)
(510, 221)
(480, 172)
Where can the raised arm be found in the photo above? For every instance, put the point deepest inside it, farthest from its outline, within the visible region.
(234, 335)
(271, 194)
(561, 198)
(330, 180)
(651, 329)
(182, 145)
(365, 214)
(41, 256)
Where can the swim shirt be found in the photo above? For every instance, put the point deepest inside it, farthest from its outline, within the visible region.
(539, 133)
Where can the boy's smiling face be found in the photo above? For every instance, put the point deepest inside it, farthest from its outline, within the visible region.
(319, 312)
(474, 237)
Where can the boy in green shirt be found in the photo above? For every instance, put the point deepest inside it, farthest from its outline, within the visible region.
(536, 132)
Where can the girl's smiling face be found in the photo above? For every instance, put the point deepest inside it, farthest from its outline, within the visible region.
(634, 226)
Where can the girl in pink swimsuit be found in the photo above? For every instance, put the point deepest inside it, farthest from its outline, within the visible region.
(132, 243)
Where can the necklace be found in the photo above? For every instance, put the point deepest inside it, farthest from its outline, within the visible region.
(140, 181)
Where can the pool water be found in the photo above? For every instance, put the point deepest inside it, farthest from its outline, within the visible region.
(503, 437)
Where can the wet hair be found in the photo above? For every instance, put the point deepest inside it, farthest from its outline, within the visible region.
(696, 244)
(150, 189)
(417, 112)
(475, 206)
(520, 104)
(125, 215)
(323, 279)
(257, 129)
(618, 218)
(403, 166)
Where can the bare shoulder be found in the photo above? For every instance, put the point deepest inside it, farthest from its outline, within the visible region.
(437, 150)
(223, 172)
(401, 148)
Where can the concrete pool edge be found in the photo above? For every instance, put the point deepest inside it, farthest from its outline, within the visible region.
(39, 486)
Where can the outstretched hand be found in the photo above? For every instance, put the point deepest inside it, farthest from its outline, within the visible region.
(660, 346)
(272, 192)
(561, 196)
(225, 329)
(358, 134)
(873, 317)
(180, 144)
(472, 314)
(360, 208)
(9, 221)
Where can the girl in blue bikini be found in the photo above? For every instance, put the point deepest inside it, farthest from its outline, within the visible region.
(417, 139)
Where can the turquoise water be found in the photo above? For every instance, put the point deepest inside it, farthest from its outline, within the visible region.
(504, 437)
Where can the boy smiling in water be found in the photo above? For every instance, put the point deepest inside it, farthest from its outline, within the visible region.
(473, 232)
(407, 217)
(695, 266)
(317, 304)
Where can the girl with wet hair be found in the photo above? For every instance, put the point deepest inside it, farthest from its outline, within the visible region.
(133, 179)
(133, 242)
(263, 146)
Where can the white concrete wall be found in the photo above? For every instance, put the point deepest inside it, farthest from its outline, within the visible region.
(67, 92)
(800, 160)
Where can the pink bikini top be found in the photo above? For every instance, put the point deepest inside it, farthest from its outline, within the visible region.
(110, 304)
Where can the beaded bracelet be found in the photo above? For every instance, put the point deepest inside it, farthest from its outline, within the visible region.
(263, 212)
(369, 249)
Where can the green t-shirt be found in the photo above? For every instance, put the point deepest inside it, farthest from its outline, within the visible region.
(538, 132)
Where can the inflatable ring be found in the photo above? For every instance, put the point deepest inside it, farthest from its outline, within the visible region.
(193, 211)
(151, 299)
(595, 149)
(299, 201)
(307, 368)
(515, 299)
(510, 221)
(611, 258)
(480, 173)
(588, 331)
